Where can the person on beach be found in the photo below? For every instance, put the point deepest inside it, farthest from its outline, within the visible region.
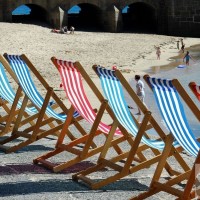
(183, 48)
(65, 29)
(182, 42)
(187, 58)
(182, 45)
(55, 31)
(158, 52)
(72, 30)
(139, 91)
(62, 30)
(178, 44)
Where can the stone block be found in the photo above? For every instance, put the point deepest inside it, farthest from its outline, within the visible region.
(197, 18)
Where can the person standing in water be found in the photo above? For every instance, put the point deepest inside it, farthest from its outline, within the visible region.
(187, 58)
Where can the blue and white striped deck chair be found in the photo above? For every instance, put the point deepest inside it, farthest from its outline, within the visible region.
(167, 94)
(113, 92)
(7, 94)
(38, 131)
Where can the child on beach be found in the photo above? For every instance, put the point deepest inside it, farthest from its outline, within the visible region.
(139, 91)
(187, 58)
(158, 52)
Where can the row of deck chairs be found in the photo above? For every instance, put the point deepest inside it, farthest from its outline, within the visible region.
(33, 117)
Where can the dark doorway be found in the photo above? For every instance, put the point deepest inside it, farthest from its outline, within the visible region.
(88, 18)
(139, 18)
(30, 14)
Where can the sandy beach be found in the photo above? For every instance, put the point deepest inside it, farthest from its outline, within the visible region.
(127, 51)
(131, 53)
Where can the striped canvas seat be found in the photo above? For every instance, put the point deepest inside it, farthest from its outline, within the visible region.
(114, 93)
(7, 93)
(195, 89)
(71, 79)
(22, 72)
(71, 75)
(173, 113)
(45, 118)
(167, 95)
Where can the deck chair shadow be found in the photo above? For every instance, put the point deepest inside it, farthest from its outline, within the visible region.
(7, 96)
(195, 89)
(167, 94)
(49, 119)
(71, 75)
(112, 82)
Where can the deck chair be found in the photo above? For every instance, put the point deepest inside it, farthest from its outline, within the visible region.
(46, 115)
(167, 94)
(112, 82)
(71, 75)
(195, 89)
(7, 96)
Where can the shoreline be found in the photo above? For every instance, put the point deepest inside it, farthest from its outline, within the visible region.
(167, 59)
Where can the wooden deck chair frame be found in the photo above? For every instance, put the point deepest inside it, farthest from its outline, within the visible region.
(37, 130)
(8, 95)
(189, 175)
(128, 167)
(87, 151)
(195, 89)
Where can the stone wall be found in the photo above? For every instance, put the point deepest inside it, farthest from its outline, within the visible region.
(175, 17)
(184, 18)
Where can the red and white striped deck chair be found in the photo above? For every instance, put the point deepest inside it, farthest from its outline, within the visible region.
(71, 74)
(195, 89)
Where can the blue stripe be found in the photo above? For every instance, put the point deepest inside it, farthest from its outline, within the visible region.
(7, 92)
(172, 111)
(113, 92)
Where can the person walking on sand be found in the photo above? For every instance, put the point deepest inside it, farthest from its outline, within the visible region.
(139, 91)
(158, 52)
(178, 44)
(187, 58)
(183, 48)
(72, 30)
(182, 42)
(182, 45)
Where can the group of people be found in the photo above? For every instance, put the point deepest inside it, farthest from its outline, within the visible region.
(182, 45)
(140, 85)
(187, 56)
(64, 30)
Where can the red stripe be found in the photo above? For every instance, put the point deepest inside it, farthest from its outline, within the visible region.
(196, 90)
(71, 79)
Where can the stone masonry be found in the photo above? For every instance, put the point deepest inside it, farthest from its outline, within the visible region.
(173, 17)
